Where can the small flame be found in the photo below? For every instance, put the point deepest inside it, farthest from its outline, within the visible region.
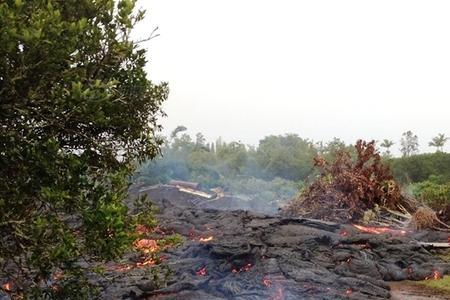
(435, 275)
(147, 245)
(123, 268)
(8, 286)
(348, 292)
(343, 233)
(201, 272)
(363, 246)
(244, 268)
(379, 230)
(266, 281)
(146, 262)
(206, 239)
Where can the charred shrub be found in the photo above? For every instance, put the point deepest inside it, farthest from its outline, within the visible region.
(348, 186)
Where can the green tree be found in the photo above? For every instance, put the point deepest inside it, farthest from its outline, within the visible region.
(177, 130)
(438, 142)
(387, 144)
(409, 143)
(287, 156)
(233, 158)
(76, 112)
(200, 140)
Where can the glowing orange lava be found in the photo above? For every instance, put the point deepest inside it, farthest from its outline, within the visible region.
(146, 262)
(343, 233)
(379, 230)
(244, 268)
(147, 245)
(435, 275)
(122, 268)
(206, 239)
(8, 286)
(266, 281)
(201, 271)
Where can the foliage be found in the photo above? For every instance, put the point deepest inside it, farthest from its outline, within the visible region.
(348, 187)
(387, 144)
(435, 192)
(409, 143)
(438, 142)
(442, 284)
(417, 168)
(76, 111)
(286, 156)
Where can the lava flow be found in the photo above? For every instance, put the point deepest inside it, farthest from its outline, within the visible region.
(435, 275)
(201, 271)
(206, 239)
(379, 230)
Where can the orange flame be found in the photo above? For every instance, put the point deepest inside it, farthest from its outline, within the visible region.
(8, 286)
(343, 233)
(244, 268)
(266, 281)
(379, 230)
(206, 239)
(123, 268)
(348, 291)
(147, 245)
(146, 262)
(435, 275)
(201, 271)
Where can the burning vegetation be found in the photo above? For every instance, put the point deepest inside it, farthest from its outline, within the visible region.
(360, 188)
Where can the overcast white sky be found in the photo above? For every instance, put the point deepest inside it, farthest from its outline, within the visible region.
(243, 69)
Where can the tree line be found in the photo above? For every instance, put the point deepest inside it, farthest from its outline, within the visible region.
(288, 157)
(409, 144)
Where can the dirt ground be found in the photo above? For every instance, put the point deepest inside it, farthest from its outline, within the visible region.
(410, 290)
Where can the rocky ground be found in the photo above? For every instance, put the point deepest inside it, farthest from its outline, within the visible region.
(244, 255)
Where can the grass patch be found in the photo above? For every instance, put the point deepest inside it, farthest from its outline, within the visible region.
(445, 256)
(439, 284)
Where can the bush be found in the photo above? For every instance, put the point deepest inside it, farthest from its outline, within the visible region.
(417, 168)
(435, 193)
(347, 187)
(77, 111)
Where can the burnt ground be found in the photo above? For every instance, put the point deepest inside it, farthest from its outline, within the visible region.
(254, 256)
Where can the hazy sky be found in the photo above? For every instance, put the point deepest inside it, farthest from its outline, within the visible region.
(243, 69)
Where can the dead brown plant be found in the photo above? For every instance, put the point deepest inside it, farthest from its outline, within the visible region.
(347, 187)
